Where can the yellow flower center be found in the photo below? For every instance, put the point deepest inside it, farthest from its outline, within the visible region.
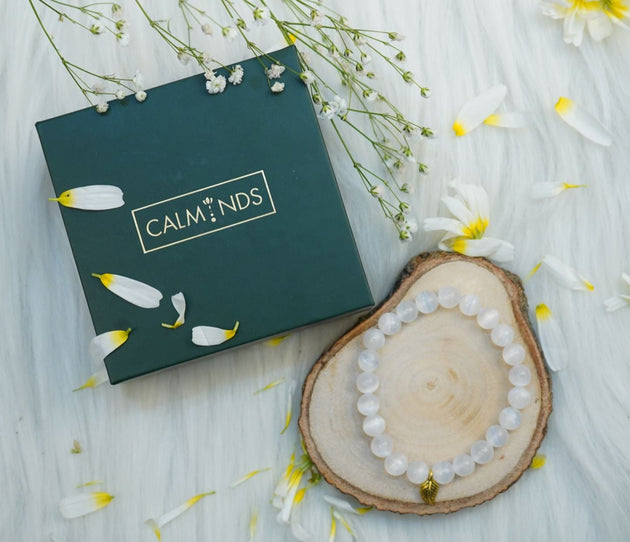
(616, 8)
(476, 229)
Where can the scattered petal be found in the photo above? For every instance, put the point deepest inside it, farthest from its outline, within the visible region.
(131, 290)
(538, 461)
(104, 344)
(248, 476)
(270, 385)
(565, 275)
(583, 122)
(299, 532)
(552, 339)
(91, 483)
(95, 380)
(179, 302)
(157, 524)
(345, 523)
(507, 120)
(83, 503)
(76, 447)
(253, 524)
(97, 197)
(619, 301)
(345, 506)
(289, 415)
(275, 341)
(544, 190)
(211, 336)
(488, 247)
(333, 525)
(475, 111)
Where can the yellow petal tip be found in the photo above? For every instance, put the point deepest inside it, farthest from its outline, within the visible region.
(543, 312)
(459, 129)
(538, 461)
(563, 105)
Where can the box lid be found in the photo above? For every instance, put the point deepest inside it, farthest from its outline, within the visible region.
(229, 198)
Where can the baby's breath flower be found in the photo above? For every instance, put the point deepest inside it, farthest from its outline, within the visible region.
(183, 57)
(117, 11)
(317, 99)
(425, 92)
(308, 77)
(407, 77)
(370, 75)
(404, 235)
(358, 39)
(240, 23)
(423, 168)
(206, 28)
(261, 15)
(406, 188)
(102, 107)
(229, 32)
(365, 58)
(141, 95)
(275, 71)
(412, 224)
(277, 87)
(122, 38)
(400, 56)
(316, 16)
(341, 106)
(370, 95)
(97, 28)
(236, 77)
(216, 84)
(138, 80)
(395, 36)
(209, 74)
(378, 191)
(327, 112)
(120, 95)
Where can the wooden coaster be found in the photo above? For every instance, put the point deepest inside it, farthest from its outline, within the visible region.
(442, 384)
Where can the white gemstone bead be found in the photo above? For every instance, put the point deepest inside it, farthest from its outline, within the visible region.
(373, 339)
(407, 311)
(519, 397)
(368, 404)
(368, 360)
(513, 354)
(470, 304)
(496, 435)
(463, 465)
(481, 452)
(443, 472)
(510, 418)
(417, 472)
(373, 425)
(367, 382)
(426, 302)
(382, 445)
(502, 335)
(520, 375)
(396, 464)
(448, 297)
(389, 323)
(488, 318)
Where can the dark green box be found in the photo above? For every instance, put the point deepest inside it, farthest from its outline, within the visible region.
(279, 253)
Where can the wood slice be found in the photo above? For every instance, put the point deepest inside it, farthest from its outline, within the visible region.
(442, 384)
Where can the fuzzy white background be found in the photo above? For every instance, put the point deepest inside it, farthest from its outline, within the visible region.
(161, 439)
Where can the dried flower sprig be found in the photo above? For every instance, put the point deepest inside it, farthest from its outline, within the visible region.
(326, 43)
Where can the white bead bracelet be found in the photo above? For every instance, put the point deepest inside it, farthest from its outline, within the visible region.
(429, 478)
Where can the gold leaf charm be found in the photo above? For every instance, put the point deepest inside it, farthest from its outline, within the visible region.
(429, 489)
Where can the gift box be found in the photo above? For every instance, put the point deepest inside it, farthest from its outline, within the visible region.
(229, 198)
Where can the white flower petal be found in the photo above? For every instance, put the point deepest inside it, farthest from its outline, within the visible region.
(565, 275)
(289, 414)
(615, 303)
(600, 27)
(458, 209)
(583, 122)
(104, 344)
(179, 302)
(299, 532)
(475, 111)
(131, 290)
(555, 10)
(211, 336)
(544, 190)
(626, 278)
(507, 120)
(83, 503)
(345, 506)
(95, 380)
(475, 198)
(552, 339)
(157, 524)
(489, 247)
(98, 197)
(443, 224)
(574, 28)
